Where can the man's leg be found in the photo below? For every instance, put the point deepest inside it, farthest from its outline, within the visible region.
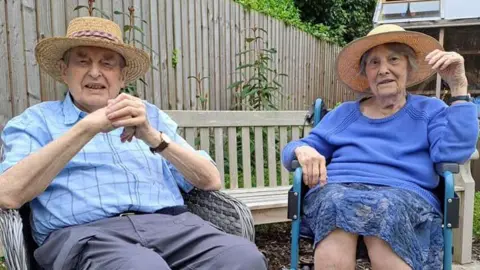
(106, 244)
(186, 241)
(108, 252)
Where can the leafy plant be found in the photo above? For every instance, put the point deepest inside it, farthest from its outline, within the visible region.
(91, 9)
(175, 54)
(201, 94)
(258, 91)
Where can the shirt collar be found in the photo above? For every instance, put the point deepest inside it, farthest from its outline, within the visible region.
(71, 112)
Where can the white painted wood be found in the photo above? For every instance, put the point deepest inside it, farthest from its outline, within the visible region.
(216, 46)
(59, 29)
(295, 133)
(211, 54)
(238, 118)
(219, 154)
(155, 29)
(106, 5)
(283, 142)
(190, 136)
(31, 66)
(164, 91)
(228, 55)
(17, 57)
(117, 6)
(69, 7)
(197, 53)
(145, 14)
(180, 52)
(205, 72)
(246, 158)
(272, 158)
(232, 157)
(205, 139)
(259, 157)
(171, 46)
(6, 110)
(463, 235)
(44, 16)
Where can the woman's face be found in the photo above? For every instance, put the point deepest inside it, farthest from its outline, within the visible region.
(386, 71)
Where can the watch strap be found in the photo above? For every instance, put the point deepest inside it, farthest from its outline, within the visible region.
(467, 98)
(163, 144)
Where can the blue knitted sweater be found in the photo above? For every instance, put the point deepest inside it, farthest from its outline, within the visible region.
(399, 150)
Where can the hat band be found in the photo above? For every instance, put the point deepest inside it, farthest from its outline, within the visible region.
(96, 34)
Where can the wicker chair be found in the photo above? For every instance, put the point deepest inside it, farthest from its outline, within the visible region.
(216, 207)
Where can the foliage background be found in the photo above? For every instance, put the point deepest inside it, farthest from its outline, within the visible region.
(339, 21)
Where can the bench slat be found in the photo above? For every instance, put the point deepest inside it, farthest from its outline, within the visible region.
(205, 139)
(237, 118)
(295, 133)
(232, 157)
(190, 136)
(259, 156)
(272, 159)
(246, 156)
(219, 154)
(283, 142)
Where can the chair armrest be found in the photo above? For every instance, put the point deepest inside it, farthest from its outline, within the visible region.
(223, 211)
(11, 235)
(441, 168)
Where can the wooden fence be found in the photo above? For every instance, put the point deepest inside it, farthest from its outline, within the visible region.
(196, 36)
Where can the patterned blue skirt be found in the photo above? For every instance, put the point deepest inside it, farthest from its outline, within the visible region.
(400, 217)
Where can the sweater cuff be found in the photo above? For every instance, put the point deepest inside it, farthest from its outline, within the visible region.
(288, 154)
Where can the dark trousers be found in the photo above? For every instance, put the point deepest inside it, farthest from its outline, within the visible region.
(151, 241)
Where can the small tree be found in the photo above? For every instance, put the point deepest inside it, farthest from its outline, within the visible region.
(258, 91)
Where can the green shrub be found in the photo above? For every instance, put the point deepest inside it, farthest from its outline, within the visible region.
(286, 11)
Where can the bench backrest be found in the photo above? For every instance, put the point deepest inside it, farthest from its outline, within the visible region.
(246, 145)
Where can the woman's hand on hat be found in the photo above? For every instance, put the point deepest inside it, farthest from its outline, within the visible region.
(130, 112)
(313, 166)
(451, 67)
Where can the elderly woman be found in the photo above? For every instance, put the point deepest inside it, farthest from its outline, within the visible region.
(382, 149)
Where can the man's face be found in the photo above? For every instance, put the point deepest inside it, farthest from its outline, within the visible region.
(93, 75)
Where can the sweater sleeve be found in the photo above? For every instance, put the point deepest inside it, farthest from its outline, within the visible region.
(452, 132)
(317, 139)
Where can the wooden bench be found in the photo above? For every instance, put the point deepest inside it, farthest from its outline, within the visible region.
(223, 133)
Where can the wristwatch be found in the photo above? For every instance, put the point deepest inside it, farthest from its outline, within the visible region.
(467, 98)
(165, 141)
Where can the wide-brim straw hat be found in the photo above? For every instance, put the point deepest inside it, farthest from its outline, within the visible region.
(348, 61)
(96, 32)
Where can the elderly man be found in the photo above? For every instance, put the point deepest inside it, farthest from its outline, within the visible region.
(102, 170)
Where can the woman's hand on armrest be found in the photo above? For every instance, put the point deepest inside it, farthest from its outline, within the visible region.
(313, 166)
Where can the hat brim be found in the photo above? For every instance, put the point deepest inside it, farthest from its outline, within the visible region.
(348, 61)
(49, 51)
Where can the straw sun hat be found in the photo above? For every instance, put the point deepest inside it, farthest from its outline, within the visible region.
(348, 61)
(91, 31)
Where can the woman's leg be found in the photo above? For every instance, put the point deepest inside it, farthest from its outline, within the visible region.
(337, 251)
(382, 256)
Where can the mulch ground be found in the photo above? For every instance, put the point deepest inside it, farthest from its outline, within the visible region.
(273, 240)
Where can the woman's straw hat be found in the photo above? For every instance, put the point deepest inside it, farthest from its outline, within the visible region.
(96, 32)
(348, 61)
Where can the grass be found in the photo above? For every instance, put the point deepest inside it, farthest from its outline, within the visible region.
(2, 264)
(476, 216)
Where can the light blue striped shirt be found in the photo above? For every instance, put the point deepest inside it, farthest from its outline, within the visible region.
(105, 178)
